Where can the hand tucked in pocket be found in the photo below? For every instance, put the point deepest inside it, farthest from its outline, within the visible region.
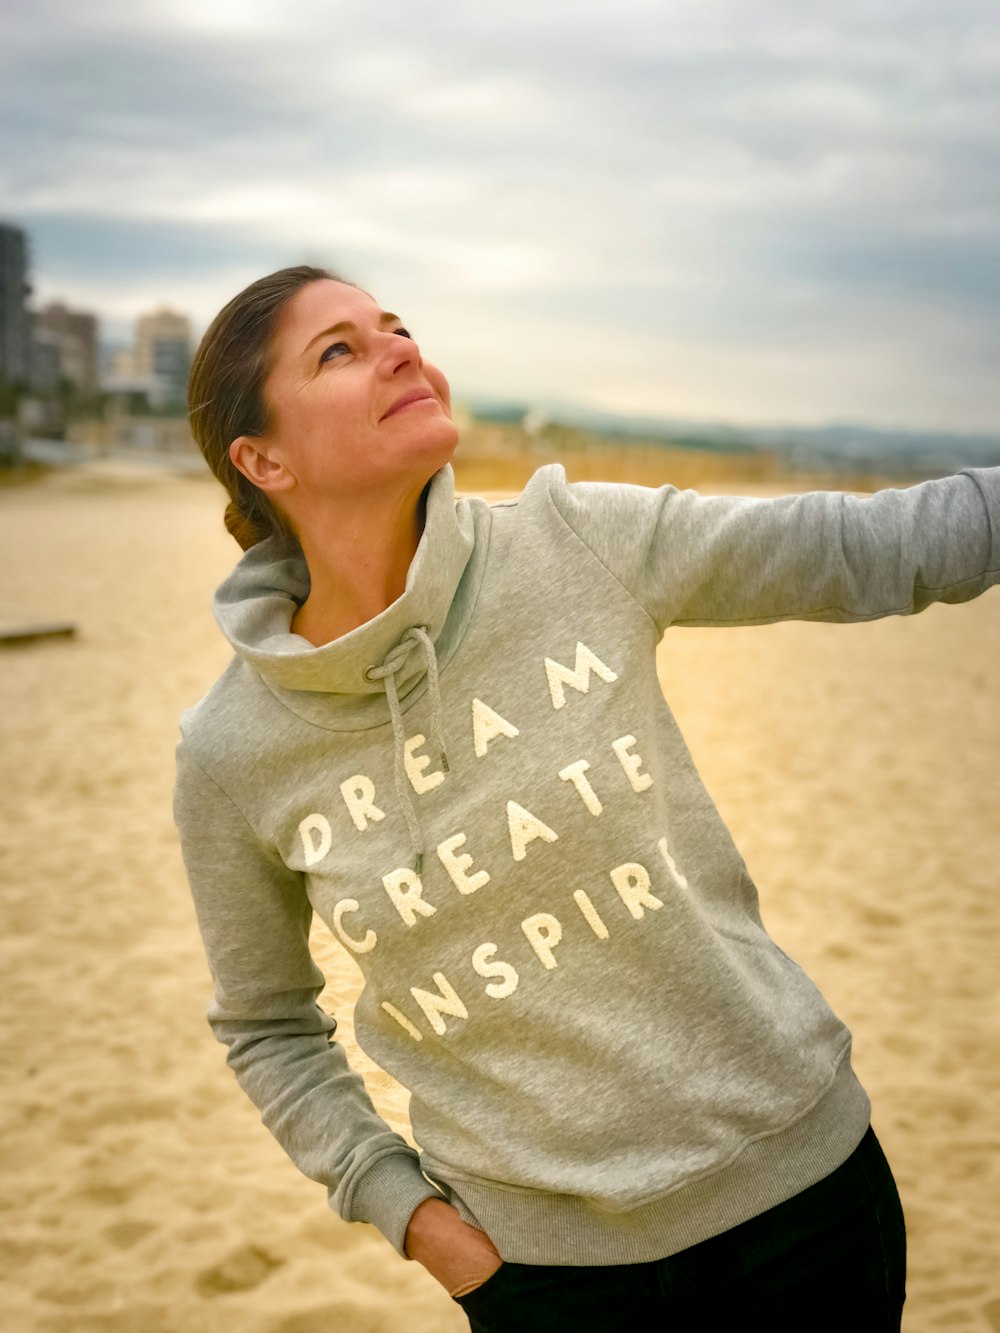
(459, 1256)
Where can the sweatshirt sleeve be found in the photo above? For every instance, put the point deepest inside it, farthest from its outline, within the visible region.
(254, 918)
(690, 559)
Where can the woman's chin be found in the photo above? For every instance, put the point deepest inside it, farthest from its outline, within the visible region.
(441, 444)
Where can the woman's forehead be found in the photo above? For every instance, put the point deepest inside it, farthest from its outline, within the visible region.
(314, 309)
(327, 302)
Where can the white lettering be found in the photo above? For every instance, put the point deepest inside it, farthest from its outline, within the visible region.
(590, 912)
(457, 866)
(359, 796)
(632, 882)
(560, 676)
(447, 1002)
(543, 932)
(402, 1020)
(415, 765)
(675, 873)
(481, 963)
(524, 827)
(487, 725)
(574, 773)
(314, 851)
(355, 946)
(631, 763)
(404, 889)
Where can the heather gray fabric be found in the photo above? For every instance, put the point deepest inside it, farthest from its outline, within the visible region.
(485, 796)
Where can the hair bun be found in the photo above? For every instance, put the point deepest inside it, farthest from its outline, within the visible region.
(242, 528)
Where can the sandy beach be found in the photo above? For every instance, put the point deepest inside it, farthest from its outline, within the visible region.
(857, 767)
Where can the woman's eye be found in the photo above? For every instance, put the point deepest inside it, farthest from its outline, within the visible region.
(334, 347)
(404, 333)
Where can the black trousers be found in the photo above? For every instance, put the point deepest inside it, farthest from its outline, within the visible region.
(831, 1258)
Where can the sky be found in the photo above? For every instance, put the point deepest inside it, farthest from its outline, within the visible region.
(756, 212)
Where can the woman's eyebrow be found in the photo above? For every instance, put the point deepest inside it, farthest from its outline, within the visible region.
(386, 317)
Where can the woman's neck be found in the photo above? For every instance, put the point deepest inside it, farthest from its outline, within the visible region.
(358, 561)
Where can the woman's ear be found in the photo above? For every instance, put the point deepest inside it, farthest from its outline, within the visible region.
(249, 455)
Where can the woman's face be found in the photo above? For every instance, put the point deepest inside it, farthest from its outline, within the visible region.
(340, 367)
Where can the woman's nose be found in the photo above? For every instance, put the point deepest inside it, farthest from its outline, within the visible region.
(399, 352)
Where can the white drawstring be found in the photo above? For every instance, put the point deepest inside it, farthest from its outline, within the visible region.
(386, 671)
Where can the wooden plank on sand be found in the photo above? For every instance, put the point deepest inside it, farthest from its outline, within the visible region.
(29, 633)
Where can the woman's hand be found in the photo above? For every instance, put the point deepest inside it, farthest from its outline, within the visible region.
(459, 1256)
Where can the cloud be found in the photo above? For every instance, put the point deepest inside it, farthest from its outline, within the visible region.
(751, 192)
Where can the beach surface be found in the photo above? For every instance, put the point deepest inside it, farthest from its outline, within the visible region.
(857, 767)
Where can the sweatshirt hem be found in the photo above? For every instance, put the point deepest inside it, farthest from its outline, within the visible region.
(562, 1229)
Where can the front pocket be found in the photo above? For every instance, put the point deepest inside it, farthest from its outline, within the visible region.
(475, 1292)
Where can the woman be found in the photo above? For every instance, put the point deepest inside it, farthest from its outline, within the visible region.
(442, 730)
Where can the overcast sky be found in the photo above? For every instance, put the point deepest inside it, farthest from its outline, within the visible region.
(754, 211)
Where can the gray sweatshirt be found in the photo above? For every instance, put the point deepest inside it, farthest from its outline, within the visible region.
(484, 794)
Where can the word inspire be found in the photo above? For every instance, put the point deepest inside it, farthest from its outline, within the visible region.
(404, 887)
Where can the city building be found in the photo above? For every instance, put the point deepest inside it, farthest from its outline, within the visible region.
(163, 349)
(155, 368)
(46, 361)
(74, 334)
(15, 320)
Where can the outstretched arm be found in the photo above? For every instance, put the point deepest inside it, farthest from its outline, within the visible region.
(690, 559)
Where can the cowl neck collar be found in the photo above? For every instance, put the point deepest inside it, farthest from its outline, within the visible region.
(255, 605)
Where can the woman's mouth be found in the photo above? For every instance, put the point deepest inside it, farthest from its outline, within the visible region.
(407, 400)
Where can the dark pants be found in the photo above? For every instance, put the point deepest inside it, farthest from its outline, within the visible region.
(831, 1258)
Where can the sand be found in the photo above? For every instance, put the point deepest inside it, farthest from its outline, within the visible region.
(856, 766)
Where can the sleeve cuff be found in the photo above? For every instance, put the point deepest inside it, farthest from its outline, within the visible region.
(388, 1194)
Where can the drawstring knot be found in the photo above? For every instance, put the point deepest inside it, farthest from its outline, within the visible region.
(386, 671)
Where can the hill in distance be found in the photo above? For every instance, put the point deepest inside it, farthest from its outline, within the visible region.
(851, 446)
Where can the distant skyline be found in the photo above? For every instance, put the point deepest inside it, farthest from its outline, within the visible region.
(748, 211)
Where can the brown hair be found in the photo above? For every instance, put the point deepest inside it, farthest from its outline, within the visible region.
(226, 392)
